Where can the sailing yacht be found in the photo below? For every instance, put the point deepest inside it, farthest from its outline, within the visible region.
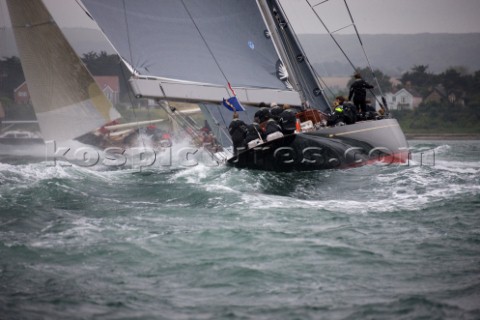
(204, 52)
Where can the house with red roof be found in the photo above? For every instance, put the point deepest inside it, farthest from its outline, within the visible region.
(21, 94)
(110, 87)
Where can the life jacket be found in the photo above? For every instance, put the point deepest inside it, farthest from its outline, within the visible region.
(253, 132)
(336, 116)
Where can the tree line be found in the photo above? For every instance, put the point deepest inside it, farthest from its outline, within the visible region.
(99, 64)
(12, 76)
(442, 115)
(459, 115)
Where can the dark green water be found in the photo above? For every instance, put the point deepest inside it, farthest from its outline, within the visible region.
(376, 242)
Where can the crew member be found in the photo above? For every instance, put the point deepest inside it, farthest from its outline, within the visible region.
(272, 130)
(237, 130)
(275, 111)
(358, 90)
(287, 119)
(254, 135)
(262, 114)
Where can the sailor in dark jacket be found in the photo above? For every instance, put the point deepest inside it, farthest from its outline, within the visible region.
(358, 90)
(275, 111)
(238, 130)
(263, 113)
(272, 130)
(288, 119)
(253, 132)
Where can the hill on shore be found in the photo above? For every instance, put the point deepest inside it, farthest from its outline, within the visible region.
(394, 54)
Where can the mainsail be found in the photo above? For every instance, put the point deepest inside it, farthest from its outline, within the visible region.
(67, 101)
(191, 50)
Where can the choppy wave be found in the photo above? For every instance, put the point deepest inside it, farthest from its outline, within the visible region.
(205, 241)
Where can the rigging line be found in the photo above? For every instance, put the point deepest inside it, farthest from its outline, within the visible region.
(340, 29)
(353, 22)
(211, 53)
(333, 38)
(205, 42)
(180, 119)
(363, 48)
(174, 116)
(327, 87)
(343, 51)
(319, 2)
(222, 131)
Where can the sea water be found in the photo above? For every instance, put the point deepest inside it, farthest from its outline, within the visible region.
(215, 242)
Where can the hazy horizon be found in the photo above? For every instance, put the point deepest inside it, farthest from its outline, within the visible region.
(370, 16)
(424, 17)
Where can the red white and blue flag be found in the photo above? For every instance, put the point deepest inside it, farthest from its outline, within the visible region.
(232, 103)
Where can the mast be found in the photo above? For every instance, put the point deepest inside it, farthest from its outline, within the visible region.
(302, 76)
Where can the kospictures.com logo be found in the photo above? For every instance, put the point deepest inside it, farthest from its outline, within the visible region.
(144, 157)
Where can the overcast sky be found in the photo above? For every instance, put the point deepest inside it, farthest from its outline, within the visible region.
(371, 16)
(390, 16)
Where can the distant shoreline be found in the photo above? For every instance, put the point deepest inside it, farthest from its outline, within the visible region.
(442, 136)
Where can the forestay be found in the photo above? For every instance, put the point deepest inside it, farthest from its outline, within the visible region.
(191, 49)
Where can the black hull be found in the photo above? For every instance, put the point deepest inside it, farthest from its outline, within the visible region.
(329, 148)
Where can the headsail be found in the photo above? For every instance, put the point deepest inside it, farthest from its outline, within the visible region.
(67, 101)
(190, 50)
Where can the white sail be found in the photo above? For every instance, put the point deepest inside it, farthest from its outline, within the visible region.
(190, 50)
(67, 101)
